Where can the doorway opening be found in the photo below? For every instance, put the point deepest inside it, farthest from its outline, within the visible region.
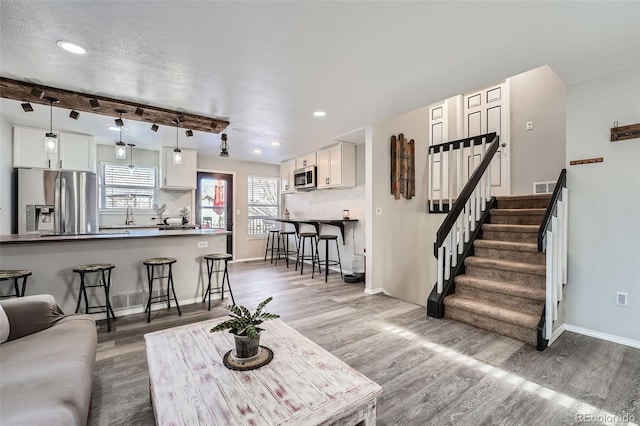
(214, 203)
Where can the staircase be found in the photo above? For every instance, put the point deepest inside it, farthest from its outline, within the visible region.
(503, 288)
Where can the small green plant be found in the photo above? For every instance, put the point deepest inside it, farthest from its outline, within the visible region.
(243, 322)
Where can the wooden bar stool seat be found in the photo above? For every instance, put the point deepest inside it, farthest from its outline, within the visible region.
(160, 262)
(214, 260)
(15, 275)
(104, 281)
(328, 262)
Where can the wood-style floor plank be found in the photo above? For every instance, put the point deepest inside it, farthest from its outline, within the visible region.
(432, 371)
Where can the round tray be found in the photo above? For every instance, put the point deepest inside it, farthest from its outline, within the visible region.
(263, 358)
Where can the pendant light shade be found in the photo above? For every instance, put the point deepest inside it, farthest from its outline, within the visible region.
(177, 154)
(224, 146)
(121, 148)
(51, 139)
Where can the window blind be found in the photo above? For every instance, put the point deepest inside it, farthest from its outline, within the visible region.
(263, 204)
(122, 188)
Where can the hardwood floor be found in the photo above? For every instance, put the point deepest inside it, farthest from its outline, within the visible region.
(432, 371)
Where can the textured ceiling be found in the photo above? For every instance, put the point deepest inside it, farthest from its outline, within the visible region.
(268, 65)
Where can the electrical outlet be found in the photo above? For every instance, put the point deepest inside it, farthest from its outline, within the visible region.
(621, 298)
(203, 244)
(529, 125)
(378, 211)
(237, 212)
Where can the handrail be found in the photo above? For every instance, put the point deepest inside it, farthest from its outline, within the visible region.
(561, 183)
(468, 189)
(465, 143)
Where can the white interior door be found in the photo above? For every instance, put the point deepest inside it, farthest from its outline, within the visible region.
(438, 133)
(487, 111)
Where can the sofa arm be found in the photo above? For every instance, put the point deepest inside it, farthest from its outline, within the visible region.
(30, 314)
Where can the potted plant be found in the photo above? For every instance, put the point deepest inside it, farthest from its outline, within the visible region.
(244, 327)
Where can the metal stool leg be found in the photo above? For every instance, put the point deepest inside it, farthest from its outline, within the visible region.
(302, 257)
(339, 261)
(79, 295)
(150, 277)
(286, 256)
(173, 290)
(15, 287)
(208, 292)
(326, 260)
(318, 255)
(24, 286)
(84, 292)
(106, 293)
(226, 274)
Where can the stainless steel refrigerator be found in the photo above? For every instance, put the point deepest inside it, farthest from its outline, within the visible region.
(57, 202)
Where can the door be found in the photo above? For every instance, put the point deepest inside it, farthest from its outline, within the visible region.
(323, 171)
(487, 111)
(335, 165)
(214, 203)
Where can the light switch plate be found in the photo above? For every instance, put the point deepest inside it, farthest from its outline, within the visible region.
(378, 211)
(203, 244)
(621, 298)
(529, 125)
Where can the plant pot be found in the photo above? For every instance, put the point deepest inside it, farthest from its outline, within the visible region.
(246, 349)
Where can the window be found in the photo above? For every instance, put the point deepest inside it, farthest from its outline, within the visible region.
(263, 204)
(121, 188)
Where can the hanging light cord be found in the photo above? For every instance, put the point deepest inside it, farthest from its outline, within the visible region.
(50, 116)
(177, 123)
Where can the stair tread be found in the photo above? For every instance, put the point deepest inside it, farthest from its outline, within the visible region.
(507, 265)
(518, 212)
(491, 310)
(510, 228)
(502, 287)
(524, 197)
(506, 245)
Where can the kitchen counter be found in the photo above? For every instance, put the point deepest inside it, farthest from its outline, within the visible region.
(109, 235)
(317, 222)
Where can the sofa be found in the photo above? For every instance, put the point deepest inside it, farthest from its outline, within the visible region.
(46, 363)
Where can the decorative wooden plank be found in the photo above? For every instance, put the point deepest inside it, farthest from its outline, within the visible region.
(622, 133)
(21, 91)
(405, 167)
(586, 161)
(393, 164)
(412, 176)
(304, 384)
(398, 166)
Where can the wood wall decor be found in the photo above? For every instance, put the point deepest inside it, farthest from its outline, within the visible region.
(35, 93)
(403, 167)
(586, 161)
(622, 133)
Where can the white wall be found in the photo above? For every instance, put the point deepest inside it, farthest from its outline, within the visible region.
(6, 163)
(329, 204)
(245, 247)
(537, 155)
(403, 264)
(604, 208)
(174, 199)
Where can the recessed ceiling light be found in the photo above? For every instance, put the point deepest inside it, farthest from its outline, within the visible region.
(71, 47)
(257, 151)
(319, 113)
(275, 143)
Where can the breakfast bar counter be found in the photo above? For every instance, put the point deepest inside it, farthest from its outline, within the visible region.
(116, 233)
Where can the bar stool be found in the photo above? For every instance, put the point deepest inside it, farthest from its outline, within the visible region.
(104, 281)
(15, 275)
(217, 257)
(327, 261)
(272, 238)
(312, 236)
(150, 264)
(284, 250)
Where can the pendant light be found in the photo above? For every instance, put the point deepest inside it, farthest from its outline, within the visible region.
(224, 146)
(177, 154)
(131, 166)
(121, 148)
(51, 139)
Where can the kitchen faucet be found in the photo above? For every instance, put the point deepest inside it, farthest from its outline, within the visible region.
(129, 218)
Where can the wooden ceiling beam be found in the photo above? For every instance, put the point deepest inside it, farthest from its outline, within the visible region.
(24, 92)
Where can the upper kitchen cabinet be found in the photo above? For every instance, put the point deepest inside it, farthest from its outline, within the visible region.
(337, 166)
(286, 176)
(306, 160)
(75, 151)
(178, 176)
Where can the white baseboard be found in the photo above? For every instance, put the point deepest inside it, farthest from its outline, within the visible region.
(603, 336)
(141, 309)
(373, 291)
(250, 259)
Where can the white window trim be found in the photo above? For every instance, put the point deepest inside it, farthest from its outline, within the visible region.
(119, 211)
(262, 236)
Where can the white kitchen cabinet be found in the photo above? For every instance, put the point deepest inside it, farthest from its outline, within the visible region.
(306, 160)
(75, 151)
(337, 166)
(178, 176)
(286, 176)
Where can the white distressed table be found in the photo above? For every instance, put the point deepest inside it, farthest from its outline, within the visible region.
(303, 385)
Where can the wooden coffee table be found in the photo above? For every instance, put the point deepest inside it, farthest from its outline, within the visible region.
(303, 385)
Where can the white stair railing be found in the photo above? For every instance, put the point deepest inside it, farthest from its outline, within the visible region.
(553, 240)
(462, 219)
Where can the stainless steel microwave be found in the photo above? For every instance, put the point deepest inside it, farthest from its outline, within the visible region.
(305, 178)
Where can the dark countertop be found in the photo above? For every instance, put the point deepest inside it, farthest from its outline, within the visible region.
(317, 222)
(116, 234)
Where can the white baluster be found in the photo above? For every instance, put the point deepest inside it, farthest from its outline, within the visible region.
(465, 220)
(483, 187)
(431, 159)
(459, 169)
(473, 210)
(440, 271)
(559, 236)
(454, 244)
(447, 256)
(548, 325)
(461, 227)
(565, 215)
(449, 178)
(554, 265)
(441, 176)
